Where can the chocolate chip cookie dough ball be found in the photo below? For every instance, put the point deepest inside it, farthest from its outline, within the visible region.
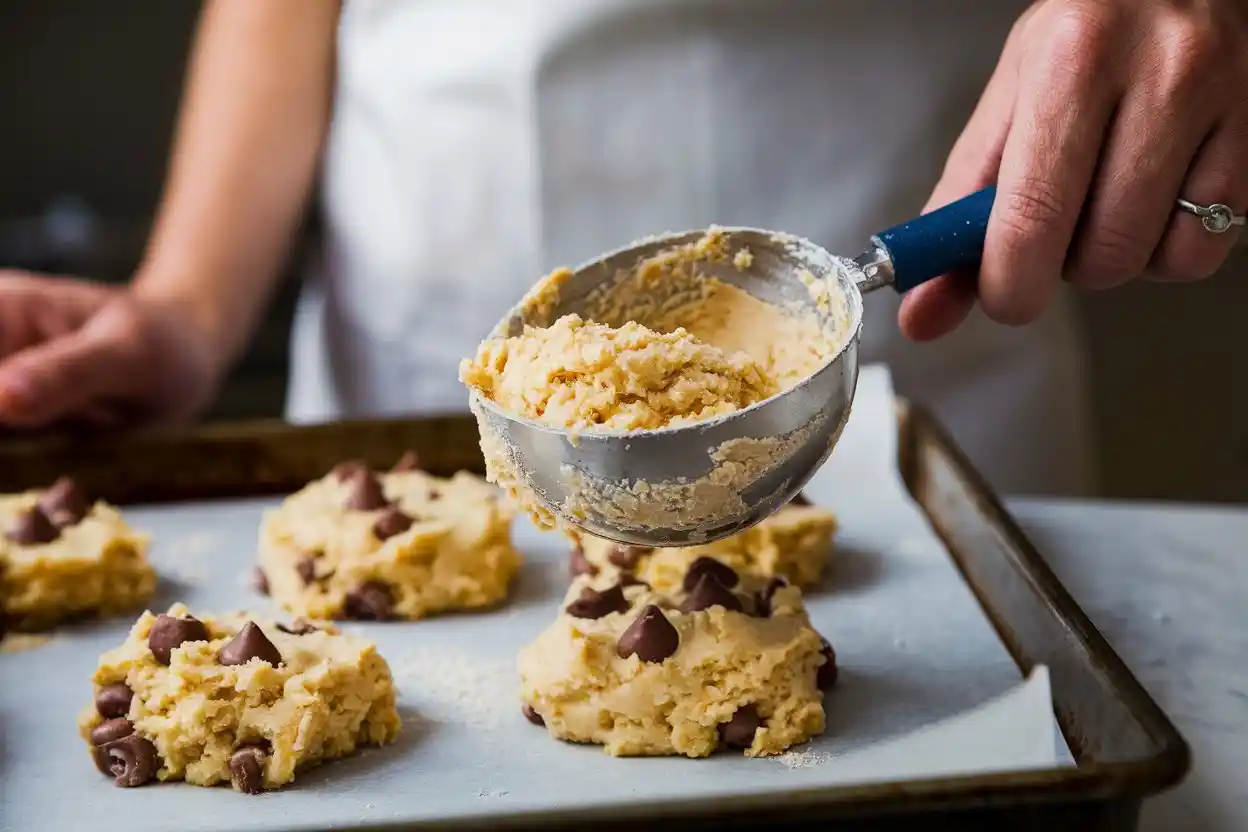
(400, 544)
(279, 699)
(722, 662)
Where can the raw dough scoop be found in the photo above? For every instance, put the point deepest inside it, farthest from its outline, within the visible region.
(701, 482)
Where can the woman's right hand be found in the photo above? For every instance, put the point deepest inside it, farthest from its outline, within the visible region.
(74, 352)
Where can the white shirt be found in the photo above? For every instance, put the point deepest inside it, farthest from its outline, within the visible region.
(476, 144)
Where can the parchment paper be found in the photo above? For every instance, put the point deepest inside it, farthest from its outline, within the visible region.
(926, 688)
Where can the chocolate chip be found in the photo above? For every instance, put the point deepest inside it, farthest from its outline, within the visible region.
(626, 557)
(800, 500)
(826, 677)
(738, 732)
(763, 607)
(132, 760)
(593, 604)
(113, 700)
(33, 528)
(369, 602)
(169, 632)
(100, 757)
(344, 471)
(247, 769)
(118, 752)
(410, 461)
(111, 729)
(578, 564)
(710, 592)
(390, 523)
(306, 568)
(366, 492)
(259, 581)
(249, 643)
(651, 638)
(703, 566)
(532, 715)
(298, 627)
(65, 503)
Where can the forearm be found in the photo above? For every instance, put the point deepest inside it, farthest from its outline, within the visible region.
(253, 120)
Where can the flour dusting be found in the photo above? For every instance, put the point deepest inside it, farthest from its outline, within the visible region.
(450, 687)
(803, 759)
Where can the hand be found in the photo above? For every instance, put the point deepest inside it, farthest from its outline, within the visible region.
(73, 352)
(1100, 114)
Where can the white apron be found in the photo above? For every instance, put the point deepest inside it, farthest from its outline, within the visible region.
(476, 144)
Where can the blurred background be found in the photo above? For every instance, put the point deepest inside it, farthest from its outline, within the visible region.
(88, 99)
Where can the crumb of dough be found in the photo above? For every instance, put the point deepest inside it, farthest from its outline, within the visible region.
(584, 375)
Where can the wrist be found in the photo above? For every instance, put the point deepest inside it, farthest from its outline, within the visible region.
(201, 318)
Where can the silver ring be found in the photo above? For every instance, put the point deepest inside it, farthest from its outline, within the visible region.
(1216, 218)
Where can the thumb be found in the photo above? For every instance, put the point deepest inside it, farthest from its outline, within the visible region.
(61, 378)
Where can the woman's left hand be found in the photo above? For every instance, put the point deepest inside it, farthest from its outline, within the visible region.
(1099, 116)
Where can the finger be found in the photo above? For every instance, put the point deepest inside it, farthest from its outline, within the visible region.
(939, 306)
(1218, 175)
(1066, 96)
(49, 382)
(1158, 130)
(60, 379)
(36, 308)
(16, 301)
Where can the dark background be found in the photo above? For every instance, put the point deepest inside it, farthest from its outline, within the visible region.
(88, 95)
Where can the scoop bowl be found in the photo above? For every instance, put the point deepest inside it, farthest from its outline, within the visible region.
(705, 481)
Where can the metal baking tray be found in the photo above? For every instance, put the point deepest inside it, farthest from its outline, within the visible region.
(1125, 748)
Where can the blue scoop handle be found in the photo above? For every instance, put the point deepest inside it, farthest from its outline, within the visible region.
(945, 240)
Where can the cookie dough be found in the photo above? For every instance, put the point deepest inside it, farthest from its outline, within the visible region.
(63, 555)
(667, 346)
(402, 544)
(793, 543)
(724, 663)
(583, 375)
(234, 699)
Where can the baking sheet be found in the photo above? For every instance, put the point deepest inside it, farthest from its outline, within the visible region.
(926, 688)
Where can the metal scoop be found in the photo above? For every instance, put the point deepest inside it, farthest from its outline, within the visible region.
(630, 475)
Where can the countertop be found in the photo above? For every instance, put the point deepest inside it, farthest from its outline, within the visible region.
(1167, 585)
